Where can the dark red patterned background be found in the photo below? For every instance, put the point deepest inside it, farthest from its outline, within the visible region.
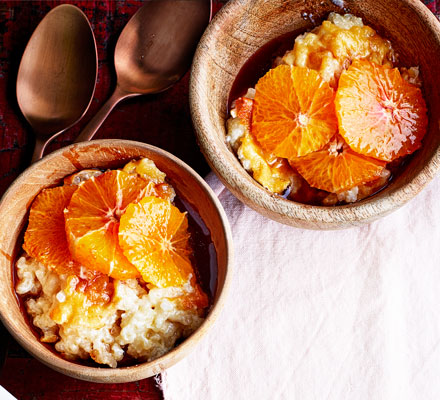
(162, 120)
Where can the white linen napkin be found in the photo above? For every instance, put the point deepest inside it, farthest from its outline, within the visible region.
(351, 314)
(5, 395)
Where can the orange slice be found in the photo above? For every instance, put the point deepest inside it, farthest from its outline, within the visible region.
(337, 168)
(293, 112)
(244, 107)
(45, 237)
(45, 240)
(92, 221)
(380, 114)
(153, 235)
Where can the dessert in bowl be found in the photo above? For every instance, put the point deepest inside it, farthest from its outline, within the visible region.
(303, 179)
(331, 119)
(83, 306)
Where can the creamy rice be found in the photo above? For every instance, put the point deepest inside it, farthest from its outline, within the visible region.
(143, 323)
(330, 47)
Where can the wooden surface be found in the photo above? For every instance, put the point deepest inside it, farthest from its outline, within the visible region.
(415, 34)
(162, 120)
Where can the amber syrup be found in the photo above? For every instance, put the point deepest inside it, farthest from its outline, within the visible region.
(204, 253)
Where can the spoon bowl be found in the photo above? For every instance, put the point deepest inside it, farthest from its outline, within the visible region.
(154, 51)
(57, 74)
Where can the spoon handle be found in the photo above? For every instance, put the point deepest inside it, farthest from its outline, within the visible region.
(40, 145)
(94, 124)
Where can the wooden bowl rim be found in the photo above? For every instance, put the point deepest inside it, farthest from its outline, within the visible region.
(146, 369)
(246, 189)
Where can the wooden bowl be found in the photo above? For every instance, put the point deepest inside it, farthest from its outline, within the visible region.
(50, 171)
(242, 27)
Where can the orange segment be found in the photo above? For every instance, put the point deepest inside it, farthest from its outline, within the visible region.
(92, 221)
(293, 112)
(244, 107)
(337, 168)
(45, 237)
(45, 240)
(154, 237)
(380, 114)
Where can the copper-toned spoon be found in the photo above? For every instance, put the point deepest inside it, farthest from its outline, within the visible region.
(154, 51)
(57, 74)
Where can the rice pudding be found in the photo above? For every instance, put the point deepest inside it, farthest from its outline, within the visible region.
(90, 310)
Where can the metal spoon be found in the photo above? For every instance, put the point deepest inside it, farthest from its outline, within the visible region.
(154, 51)
(57, 74)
